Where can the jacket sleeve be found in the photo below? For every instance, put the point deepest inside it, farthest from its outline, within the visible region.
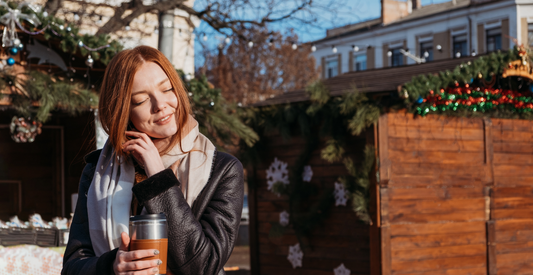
(79, 255)
(197, 245)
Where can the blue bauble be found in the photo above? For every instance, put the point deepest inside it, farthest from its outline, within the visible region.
(531, 88)
(10, 61)
(420, 100)
(13, 50)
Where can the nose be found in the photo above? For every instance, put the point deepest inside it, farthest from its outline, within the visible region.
(159, 103)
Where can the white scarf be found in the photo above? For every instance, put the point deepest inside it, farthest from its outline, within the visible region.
(109, 196)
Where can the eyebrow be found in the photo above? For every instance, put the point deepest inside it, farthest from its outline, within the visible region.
(160, 83)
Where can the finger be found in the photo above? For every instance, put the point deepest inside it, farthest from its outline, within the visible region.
(124, 241)
(140, 135)
(139, 254)
(146, 265)
(134, 148)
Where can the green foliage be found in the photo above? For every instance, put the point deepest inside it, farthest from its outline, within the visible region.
(217, 119)
(331, 118)
(37, 94)
(68, 36)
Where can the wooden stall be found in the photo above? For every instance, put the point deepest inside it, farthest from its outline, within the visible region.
(452, 195)
(39, 177)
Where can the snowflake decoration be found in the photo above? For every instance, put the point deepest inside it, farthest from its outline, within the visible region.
(284, 218)
(341, 195)
(295, 255)
(308, 173)
(277, 172)
(341, 270)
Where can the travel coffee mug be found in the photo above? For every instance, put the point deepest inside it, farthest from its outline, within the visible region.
(150, 232)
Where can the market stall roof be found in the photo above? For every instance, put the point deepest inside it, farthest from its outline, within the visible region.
(370, 81)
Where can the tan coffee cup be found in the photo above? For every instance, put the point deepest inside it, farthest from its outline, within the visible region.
(150, 232)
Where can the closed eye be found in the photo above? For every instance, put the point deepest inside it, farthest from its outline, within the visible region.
(171, 89)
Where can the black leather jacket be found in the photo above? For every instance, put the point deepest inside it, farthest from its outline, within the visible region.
(201, 237)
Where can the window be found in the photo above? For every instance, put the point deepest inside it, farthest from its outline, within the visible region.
(460, 46)
(332, 68)
(359, 62)
(426, 50)
(396, 58)
(494, 39)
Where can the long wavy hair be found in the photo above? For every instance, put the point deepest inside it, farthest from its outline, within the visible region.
(115, 94)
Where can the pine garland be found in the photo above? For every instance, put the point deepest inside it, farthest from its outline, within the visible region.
(473, 89)
(332, 118)
(36, 94)
(68, 36)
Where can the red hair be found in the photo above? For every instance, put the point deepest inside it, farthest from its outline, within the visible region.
(115, 94)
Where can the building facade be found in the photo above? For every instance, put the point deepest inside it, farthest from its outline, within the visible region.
(408, 33)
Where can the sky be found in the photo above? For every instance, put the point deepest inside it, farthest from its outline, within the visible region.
(352, 11)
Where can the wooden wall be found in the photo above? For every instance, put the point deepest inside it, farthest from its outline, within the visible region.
(510, 230)
(456, 195)
(341, 239)
(40, 167)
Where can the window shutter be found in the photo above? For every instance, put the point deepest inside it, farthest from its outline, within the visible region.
(505, 35)
(481, 38)
(385, 56)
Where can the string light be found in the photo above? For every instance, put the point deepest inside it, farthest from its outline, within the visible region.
(76, 16)
(250, 43)
(205, 37)
(270, 41)
(156, 30)
(227, 40)
(474, 53)
(334, 49)
(389, 53)
(313, 48)
(458, 54)
(426, 54)
(355, 48)
(127, 27)
(439, 47)
(294, 46)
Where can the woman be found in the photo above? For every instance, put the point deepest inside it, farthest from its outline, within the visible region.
(155, 160)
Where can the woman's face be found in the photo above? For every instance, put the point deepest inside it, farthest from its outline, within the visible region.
(153, 102)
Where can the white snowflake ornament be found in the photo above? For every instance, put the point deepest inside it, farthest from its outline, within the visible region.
(284, 218)
(295, 255)
(277, 172)
(308, 173)
(341, 195)
(341, 270)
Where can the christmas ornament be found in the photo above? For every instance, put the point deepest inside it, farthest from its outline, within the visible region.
(45, 55)
(13, 51)
(341, 196)
(10, 61)
(80, 43)
(295, 255)
(11, 19)
(24, 131)
(519, 67)
(341, 270)
(307, 173)
(89, 62)
(284, 218)
(69, 29)
(277, 172)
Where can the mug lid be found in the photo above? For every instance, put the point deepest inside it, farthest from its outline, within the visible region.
(160, 216)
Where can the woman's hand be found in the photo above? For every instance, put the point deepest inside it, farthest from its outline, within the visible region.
(127, 262)
(144, 151)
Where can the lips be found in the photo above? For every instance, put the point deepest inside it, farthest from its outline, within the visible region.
(163, 120)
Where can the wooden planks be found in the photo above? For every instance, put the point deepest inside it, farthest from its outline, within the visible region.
(436, 204)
